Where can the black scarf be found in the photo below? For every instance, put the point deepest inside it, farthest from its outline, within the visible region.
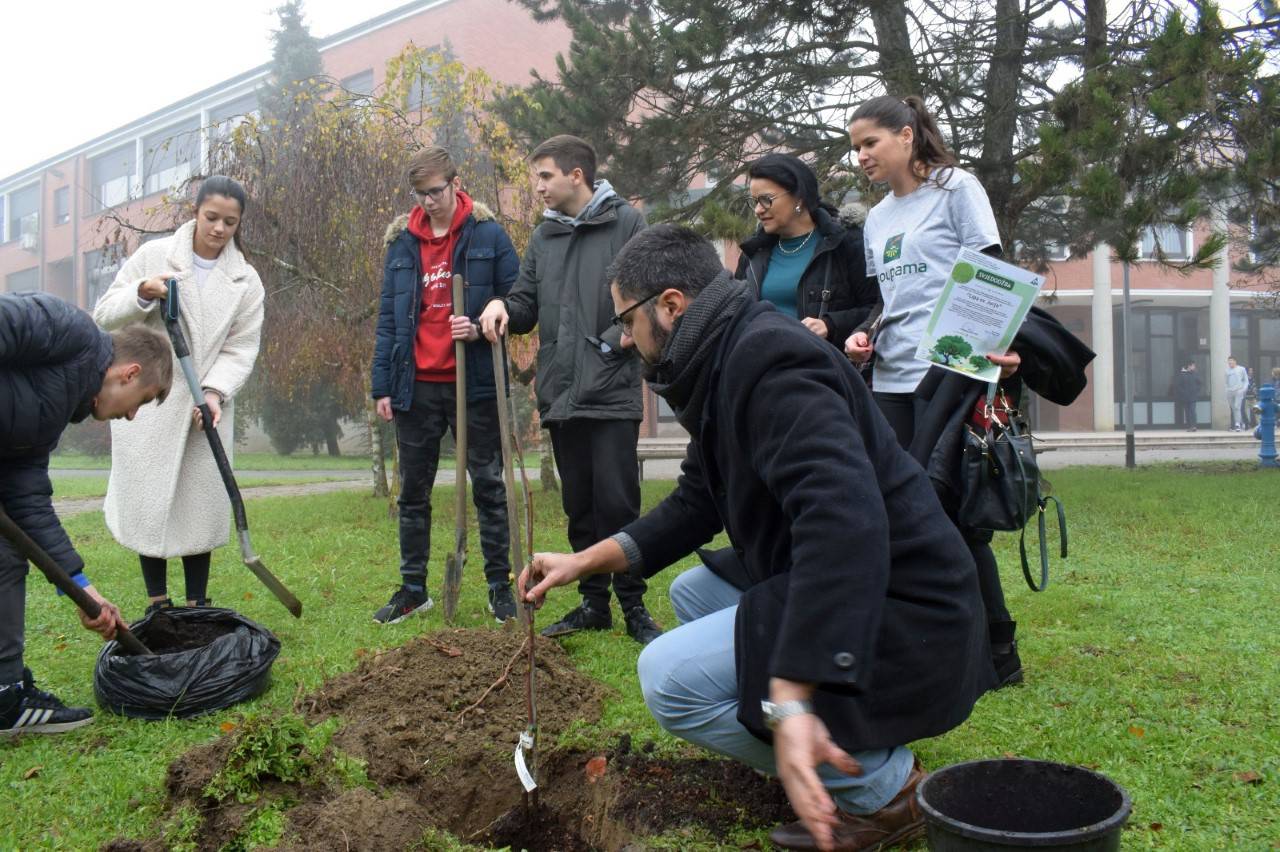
(680, 377)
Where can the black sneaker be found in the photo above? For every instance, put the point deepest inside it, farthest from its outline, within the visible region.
(501, 603)
(157, 606)
(27, 710)
(580, 618)
(403, 604)
(641, 626)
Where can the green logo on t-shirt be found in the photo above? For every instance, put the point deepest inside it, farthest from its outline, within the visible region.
(893, 248)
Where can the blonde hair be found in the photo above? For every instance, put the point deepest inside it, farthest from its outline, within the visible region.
(150, 350)
(432, 160)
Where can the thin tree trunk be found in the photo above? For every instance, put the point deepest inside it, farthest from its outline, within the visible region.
(547, 472)
(378, 467)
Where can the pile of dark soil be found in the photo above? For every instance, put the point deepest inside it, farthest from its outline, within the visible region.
(436, 723)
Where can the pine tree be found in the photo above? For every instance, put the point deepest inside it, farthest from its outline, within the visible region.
(297, 71)
(670, 89)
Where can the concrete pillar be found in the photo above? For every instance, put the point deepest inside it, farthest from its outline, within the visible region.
(1104, 366)
(1219, 333)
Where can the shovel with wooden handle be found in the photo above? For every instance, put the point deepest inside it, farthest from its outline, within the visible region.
(454, 561)
(172, 315)
(52, 571)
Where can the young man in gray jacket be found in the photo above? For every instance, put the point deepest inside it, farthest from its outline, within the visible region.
(588, 388)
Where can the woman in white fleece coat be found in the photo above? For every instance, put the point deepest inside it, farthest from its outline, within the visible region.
(165, 497)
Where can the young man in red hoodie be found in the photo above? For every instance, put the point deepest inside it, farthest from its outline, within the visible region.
(446, 234)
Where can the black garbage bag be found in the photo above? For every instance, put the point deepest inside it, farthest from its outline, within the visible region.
(205, 659)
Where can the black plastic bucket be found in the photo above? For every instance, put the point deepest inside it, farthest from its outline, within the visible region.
(1022, 804)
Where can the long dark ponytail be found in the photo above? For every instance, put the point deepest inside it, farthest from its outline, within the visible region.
(928, 150)
(225, 186)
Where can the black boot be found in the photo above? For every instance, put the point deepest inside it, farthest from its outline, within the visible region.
(1004, 653)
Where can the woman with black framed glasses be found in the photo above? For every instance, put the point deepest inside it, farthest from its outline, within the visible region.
(803, 258)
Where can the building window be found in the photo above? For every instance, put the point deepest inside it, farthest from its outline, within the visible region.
(225, 118)
(170, 155)
(360, 85)
(1057, 251)
(1173, 240)
(62, 205)
(3, 220)
(100, 268)
(24, 215)
(27, 279)
(113, 175)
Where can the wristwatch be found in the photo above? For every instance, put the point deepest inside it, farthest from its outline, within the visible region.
(775, 713)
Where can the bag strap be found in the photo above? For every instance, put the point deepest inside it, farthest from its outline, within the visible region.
(1044, 544)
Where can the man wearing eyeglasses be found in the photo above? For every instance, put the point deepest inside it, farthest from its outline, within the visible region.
(588, 388)
(446, 234)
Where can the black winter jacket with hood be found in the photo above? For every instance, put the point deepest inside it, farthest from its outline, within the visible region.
(52, 362)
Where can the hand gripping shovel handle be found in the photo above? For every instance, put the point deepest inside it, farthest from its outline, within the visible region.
(35, 554)
(454, 561)
(172, 315)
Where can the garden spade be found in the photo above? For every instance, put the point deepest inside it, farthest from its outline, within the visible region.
(172, 315)
(526, 755)
(454, 561)
(53, 572)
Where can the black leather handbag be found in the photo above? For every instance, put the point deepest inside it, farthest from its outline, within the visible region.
(1001, 484)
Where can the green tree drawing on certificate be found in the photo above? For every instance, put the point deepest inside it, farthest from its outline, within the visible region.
(949, 349)
(979, 363)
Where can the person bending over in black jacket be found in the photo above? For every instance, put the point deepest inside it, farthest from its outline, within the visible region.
(56, 367)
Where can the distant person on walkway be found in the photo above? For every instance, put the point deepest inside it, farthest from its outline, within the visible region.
(1237, 386)
(56, 368)
(446, 234)
(1186, 391)
(165, 497)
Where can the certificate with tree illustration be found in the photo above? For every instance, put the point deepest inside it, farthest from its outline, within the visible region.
(980, 310)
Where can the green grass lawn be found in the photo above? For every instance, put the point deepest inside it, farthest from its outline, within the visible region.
(1152, 656)
(242, 461)
(72, 487)
(261, 461)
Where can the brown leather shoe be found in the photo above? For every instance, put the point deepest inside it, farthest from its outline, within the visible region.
(897, 822)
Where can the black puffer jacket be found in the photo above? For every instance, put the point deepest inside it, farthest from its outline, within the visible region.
(52, 362)
(834, 286)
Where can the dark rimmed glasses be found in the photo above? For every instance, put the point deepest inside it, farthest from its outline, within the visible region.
(435, 193)
(621, 320)
(765, 201)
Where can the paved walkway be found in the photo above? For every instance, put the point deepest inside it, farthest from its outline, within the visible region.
(1070, 448)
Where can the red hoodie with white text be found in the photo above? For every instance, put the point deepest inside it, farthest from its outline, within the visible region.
(433, 347)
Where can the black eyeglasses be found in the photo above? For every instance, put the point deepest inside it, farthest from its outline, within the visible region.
(435, 192)
(765, 201)
(621, 319)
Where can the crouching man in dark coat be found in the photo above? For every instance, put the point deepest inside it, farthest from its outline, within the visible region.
(850, 622)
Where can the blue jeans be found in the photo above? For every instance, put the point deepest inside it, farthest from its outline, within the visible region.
(690, 685)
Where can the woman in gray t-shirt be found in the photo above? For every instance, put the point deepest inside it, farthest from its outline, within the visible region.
(911, 239)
